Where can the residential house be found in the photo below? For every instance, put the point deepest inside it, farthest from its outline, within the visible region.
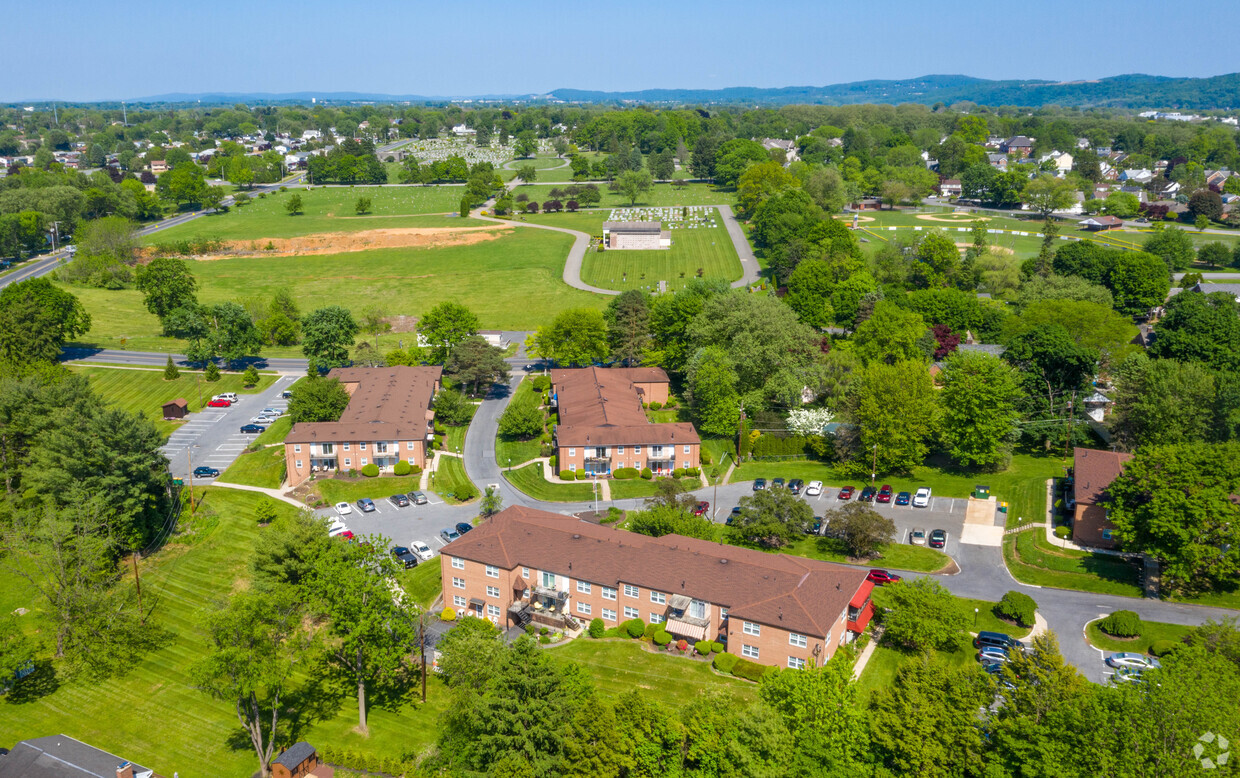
(528, 566)
(789, 147)
(1092, 472)
(1018, 146)
(1137, 175)
(997, 160)
(1062, 162)
(604, 428)
(60, 756)
(1231, 289)
(1101, 223)
(300, 760)
(388, 419)
(1169, 191)
(636, 236)
(1082, 143)
(1139, 191)
(1097, 405)
(950, 187)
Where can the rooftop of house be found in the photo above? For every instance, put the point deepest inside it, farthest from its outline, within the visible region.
(603, 406)
(294, 755)
(60, 756)
(1204, 288)
(1094, 470)
(632, 227)
(789, 592)
(385, 403)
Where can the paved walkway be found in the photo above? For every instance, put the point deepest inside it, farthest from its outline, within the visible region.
(866, 653)
(275, 494)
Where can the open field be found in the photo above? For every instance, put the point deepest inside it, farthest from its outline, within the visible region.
(618, 666)
(448, 479)
(423, 583)
(985, 619)
(633, 488)
(258, 468)
(660, 194)
(899, 556)
(1031, 560)
(336, 490)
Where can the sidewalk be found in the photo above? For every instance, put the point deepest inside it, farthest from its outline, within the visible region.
(866, 653)
(275, 494)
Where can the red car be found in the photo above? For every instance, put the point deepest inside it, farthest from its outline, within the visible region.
(884, 494)
(701, 509)
(346, 535)
(846, 493)
(881, 577)
(219, 404)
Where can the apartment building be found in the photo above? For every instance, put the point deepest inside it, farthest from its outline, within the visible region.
(1092, 473)
(389, 418)
(528, 566)
(604, 428)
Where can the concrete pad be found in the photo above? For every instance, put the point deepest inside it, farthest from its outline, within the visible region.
(978, 535)
(981, 512)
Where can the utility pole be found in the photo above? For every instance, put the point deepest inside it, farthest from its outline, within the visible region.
(1067, 437)
(715, 501)
(190, 465)
(55, 117)
(874, 470)
(138, 585)
(740, 432)
(422, 646)
(55, 235)
(124, 116)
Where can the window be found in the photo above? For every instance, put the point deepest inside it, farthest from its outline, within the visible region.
(609, 614)
(723, 613)
(346, 446)
(631, 613)
(583, 607)
(637, 449)
(363, 461)
(493, 613)
(685, 464)
(631, 591)
(609, 593)
(796, 663)
(583, 587)
(798, 640)
(749, 628)
(381, 447)
(493, 591)
(619, 449)
(362, 446)
(572, 452)
(458, 563)
(348, 461)
(749, 651)
(620, 464)
(525, 572)
(459, 583)
(1106, 534)
(697, 609)
(296, 448)
(328, 448)
(548, 580)
(409, 446)
(572, 468)
(492, 571)
(656, 618)
(298, 464)
(458, 601)
(686, 449)
(658, 598)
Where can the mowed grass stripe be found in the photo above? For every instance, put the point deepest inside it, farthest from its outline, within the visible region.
(706, 250)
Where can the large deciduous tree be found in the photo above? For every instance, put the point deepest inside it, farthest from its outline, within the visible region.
(577, 338)
(891, 413)
(446, 325)
(1173, 246)
(317, 399)
(710, 389)
(327, 336)
(1199, 328)
(937, 261)
(863, 530)
(979, 402)
(36, 319)
(771, 518)
(167, 285)
(1152, 406)
(1047, 194)
(923, 615)
(890, 335)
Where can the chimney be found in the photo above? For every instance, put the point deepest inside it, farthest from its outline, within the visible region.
(124, 770)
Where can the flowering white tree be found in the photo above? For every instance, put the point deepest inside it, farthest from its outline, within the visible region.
(809, 421)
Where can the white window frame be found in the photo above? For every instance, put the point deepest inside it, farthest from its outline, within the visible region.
(750, 628)
(609, 593)
(348, 461)
(297, 464)
(361, 446)
(525, 573)
(637, 449)
(656, 618)
(584, 607)
(583, 586)
(609, 614)
(796, 663)
(631, 613)
(493, 613)
(543, 580)
(800, 641)
(658, 598)
(632, 591)
(749, 652)
(458, 563)
(458, 583)
(493, 591)
(458, 601)
(346, 446)
(572, 452)
(364, 462)
(409, 445)
(296, 448)
(686, 448)
(492, 571)
(723, 613)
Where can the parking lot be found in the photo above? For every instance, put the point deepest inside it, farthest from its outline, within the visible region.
(403, 526)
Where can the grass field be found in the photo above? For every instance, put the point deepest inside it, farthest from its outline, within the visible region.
(529, 479)
(1150, 631)
(660, 194)
(449, 478)
(511, 450)
(1032, 560)
(633, 488)
(899, 556)
(336, 490)
(145, 391)
(985, 619)
(423, 583)
(618, 666)
(880, 671)
(258, 468)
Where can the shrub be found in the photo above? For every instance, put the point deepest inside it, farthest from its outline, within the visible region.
(624, 473)
(678, 473)
(751, 671)
(448, 614)
(717, 646)
(583, 475)
(1017, 607)
(635, 627)
(671, 403)
(596, 628)
(1163, 647)
(1063, 532)
(401, 467)
(544, 631)
(682, 645)
(415, 470)
(250, 376)
(264, 511)
(568, 475)
(662, 638)
(212, 372)
(540, 383)
(654, 406)
(724, 663)
(465, 492)
(647, 473)
(544, 640)
(1122, 624)
(693, 472)
(706, 458)
(703, 647)
(653, 629)
(371, 470)
(553, 461)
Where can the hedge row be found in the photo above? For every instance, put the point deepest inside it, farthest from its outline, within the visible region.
(360, 760)
(775, 446)
(749, 670)
(624, 473)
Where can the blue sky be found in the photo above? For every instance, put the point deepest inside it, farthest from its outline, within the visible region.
(107, 49)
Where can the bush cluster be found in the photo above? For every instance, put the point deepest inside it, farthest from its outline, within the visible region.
(635, 627)
(1163, 647)
(671, 402)
(749, 670)
(1018, 607)
(654, 406)
(371, 470)
(1063, 532)
(401, 468)
(717, 646)
(703, 647)
(597, 628)
(724, 663)
(647, 473)
(662, 637)
(706, 458)
(540, 383)
(624, 473)
(653, 629)
(554, 461)
(448, 614)
(775, 446)
(1122, 624)
(465, 492)
(360, 760)
(682, 645)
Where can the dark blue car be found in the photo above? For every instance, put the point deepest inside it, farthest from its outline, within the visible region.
(253, 429)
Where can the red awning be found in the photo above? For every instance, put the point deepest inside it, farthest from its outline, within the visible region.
(863, 618)
(863, 594)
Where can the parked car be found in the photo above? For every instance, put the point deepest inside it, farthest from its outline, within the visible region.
(938, 538)
(795, 485)
(230, 396)
(845, 494)
(867, 494)
(778, 482)
(734, 515)
(286, 395)
(997, 639)
(884, 493)
(463, 527)
(1127, 674)
(366, 504)
(399, 500)
(346, 535)
(881, 577)
(253, 429)
(701, 509)
(1129, 659)
(336, 527)
(422, 550)
(917, 536)
(449, 534)
(404, 557)
(219, 404)
(343, 508)
(759, 484)
(815, 527)
(813, 489)
(273, 412)
(205, 472)
(902, 498)
(922, 498)
(992, 654)
(262, 418)
(417, 498)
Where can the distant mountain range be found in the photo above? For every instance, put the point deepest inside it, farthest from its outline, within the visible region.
(1128, 91)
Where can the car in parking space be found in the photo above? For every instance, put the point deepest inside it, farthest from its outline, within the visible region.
(734, 515)
(1129, 659)
(998, 639)
(938, 538)
(462, 527)
(759, 484)
(230, 396)
(261, 419)
(253, 429)
(336, 527)
(880, 577)
(795, 485)
(922, 498)
(286, 395)
(343, 508)
(1127, 674)
(422, 551)
(417, 498)
(404, 557)
(813, 489)
(273, 412)
(346, 535)
(902, 498)
(399, 500)
(884, 493)
(814, 527)
(867, 494)
(701, 509)
(202, 471)
(917, 536)
(450, 534)
(218, 403)
(366, 504)
(846, 493)
(992, 654)
(776, 483)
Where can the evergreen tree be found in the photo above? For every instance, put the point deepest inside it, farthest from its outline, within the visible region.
(170, 370)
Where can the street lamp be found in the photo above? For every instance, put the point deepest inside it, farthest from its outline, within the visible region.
(510, 464)
(975, 612)
(874, 470)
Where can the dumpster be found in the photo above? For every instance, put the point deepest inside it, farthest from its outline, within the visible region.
(1003, 507)
(981, 492)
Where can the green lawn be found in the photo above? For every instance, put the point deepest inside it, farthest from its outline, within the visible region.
(258, 468)
(985, 620)
(660, 194)
(1030, 559)
(899, 556)
(449, 477)
(529, 479)
(618, 666)
(336, 490)
(145, 391)
(1150, 631)
(511, 449)
(276, 432)
(422, 583)
(880, 671)
(632, 488)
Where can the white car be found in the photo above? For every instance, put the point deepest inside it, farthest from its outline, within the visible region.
(273, 412)
(337, 527)
(813, 489)
(922, 498)
(1135, 661)
(262, 419)
(421, 550)
(343, 508)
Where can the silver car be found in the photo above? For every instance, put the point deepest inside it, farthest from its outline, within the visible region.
(1129, 659)
(917, 536)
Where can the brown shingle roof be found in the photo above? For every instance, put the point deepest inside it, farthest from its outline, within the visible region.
(602, 406)
(1094, 470)
(794, 593)
(385, 403)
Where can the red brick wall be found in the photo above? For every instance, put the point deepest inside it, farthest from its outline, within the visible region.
(775, 647)
(575, 455)
(1088, 525)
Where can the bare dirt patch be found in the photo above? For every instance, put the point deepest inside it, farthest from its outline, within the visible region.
(365, 240)
(952, 218)
(992, 249)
